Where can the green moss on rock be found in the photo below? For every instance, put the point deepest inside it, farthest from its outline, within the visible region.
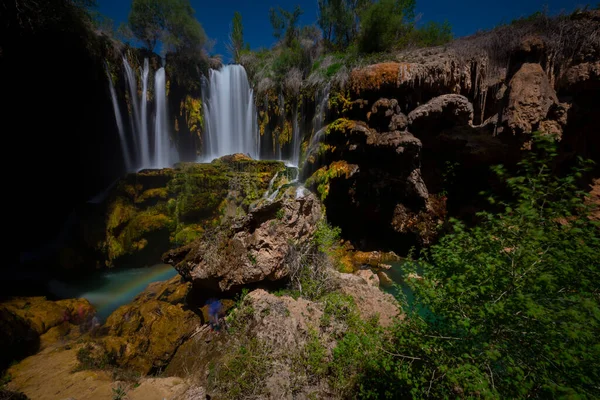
(154, 210)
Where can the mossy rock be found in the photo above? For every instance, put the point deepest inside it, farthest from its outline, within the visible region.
(155, 210)
(143, 336)
(28, 324)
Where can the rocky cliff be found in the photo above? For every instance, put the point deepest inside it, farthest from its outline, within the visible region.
(412, 139)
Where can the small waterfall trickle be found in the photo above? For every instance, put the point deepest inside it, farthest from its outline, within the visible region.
(144, 139)
(282, 114)
(296, 140)
(321, 108)
(161, 133)
(230, 113)
(119, 121)
(271, 183)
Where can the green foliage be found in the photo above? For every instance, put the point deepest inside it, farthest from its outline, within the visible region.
(431, 34)
(94, 357)
(169, 21)
(339, 20)
(384, 23)
(279, 214)
(513, 304)
(243, 373)
(4, 379)
(119, 393)
(236, 37)
(285, 24)
(326, 237)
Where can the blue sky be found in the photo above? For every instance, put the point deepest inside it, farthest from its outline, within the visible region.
(466, 16)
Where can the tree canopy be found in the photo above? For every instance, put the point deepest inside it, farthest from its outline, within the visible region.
(285, 24)
(171, 22)
(236, 37)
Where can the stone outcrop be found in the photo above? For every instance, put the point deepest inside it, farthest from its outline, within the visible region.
(254, 248)
(149, 212)
(56, 374)
(365, 170)
(28, 324)
(144, 335)
(530, 97)
(440, 113)
(278, 332)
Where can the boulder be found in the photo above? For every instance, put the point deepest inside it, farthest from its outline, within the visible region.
(386, 116)
(440, 113)
(29, 324)
(365, 173)
(254, 248)
(149, 212)
(144, 335)
(530, 97)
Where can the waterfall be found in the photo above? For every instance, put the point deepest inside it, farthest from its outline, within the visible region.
(296, 140)
(130, 78)
(161, 133)
(149, 152)
(119, 120)
(229, 113)
(321, 108)
(144, 139)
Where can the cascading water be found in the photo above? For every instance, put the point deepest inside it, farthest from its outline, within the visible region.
(322, 106)
(295, 139)
(149, 152)
(119, 121)
(144, 139)
(161, 134)
(229, 113)
(132, 83)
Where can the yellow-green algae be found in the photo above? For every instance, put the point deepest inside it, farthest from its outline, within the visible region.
(178, 205)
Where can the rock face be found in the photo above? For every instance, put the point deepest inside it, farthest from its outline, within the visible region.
(144, 335)
(29, 324)
(279, 332)
(530, 97)
(254, 248)
(440, 113)
(367, 170)
(148, 212)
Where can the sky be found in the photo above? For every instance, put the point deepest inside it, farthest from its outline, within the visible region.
(465, 16)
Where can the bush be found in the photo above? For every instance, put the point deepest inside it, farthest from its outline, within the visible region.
(384, 23)
(432, 34)
(513, 308)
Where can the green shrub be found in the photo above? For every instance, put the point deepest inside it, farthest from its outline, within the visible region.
(384, 23)
(243, 373)
(513, 304)
(432, 34)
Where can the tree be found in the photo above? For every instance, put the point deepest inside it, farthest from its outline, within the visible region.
(383, 24)
(339, 19)
(285, 24)
(512, 306)
(236, 37)
(169, 21)
(432, 34)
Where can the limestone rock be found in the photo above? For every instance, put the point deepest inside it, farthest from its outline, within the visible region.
(29, 324)
(368, 277)
(254, 249)
(144, 335)
(386, 116)
(529, 99)
(369, 299)
(442, 112)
